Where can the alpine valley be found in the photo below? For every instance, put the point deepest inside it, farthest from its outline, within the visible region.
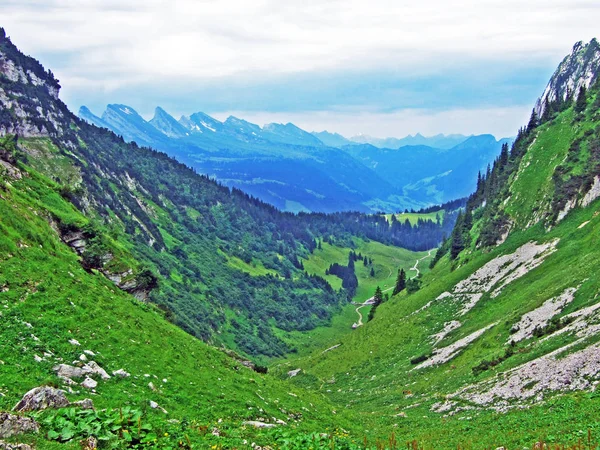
(145, 304)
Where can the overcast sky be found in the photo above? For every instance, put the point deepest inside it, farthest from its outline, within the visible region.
(378, 67)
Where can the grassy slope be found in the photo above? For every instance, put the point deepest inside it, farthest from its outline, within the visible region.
(387, 260)
(372, 369)
(43, 284)
(413, 218)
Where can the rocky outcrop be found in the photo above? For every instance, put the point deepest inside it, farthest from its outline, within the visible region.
(43, 397)
(580, 68)
(7, 446)
(12, 425)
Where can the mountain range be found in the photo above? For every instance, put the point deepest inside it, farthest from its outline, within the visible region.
(296, 171)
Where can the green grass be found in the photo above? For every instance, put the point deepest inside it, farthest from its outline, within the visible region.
(254, 268)
(43, 284)
(387, 260)
(370, 372)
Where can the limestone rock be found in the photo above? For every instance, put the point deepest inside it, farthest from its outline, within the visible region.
(7, 446)
(11, 425)
(86, 403)
(67, 371)
(293, 373)
(121, 373)
(42, 397)
(257, 424)
(89, 383)
(93, 367)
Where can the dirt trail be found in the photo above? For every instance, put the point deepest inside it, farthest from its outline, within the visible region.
(371, 300)
(415, 268)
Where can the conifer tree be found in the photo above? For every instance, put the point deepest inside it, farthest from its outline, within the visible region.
(400, 282)
(377, 300)
(372, 272)
(533, 121)
(581, 102)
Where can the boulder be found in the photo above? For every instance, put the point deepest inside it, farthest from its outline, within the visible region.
(89, 383)
(86, 403)
(11, 425)
(293, 373)
(93, 367)
(66, 371)
(121, 373)
(42, 397)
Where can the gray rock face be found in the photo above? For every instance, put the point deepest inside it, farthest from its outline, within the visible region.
(11, 425)
(42, 397)
(580, 68)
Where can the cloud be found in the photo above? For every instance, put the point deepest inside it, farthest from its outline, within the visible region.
(309, 55)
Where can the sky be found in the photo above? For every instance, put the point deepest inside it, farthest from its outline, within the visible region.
(378, 67)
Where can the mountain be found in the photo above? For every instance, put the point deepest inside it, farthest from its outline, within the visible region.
(164, 123)
(425, 173)
(225, 266)
(295, 171)
(132, 126)
(289, 134)
(502, 334)
(280, 164)
(331, 139)
(438, 141)
(577, 70)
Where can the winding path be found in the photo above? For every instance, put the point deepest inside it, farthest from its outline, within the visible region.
(415, 268)
(371, 300)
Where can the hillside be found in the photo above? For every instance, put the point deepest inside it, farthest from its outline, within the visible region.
(500, 345)
(223, 265)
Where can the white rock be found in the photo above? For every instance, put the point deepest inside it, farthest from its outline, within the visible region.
(121, 373)
(89, 383)
(257, 424)
(74, 342)
(293, 373)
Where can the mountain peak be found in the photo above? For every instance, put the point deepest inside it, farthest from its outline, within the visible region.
(166, 124)
(578, 69)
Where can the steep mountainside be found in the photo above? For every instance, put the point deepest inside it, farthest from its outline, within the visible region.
(500, 346)
(578, 69)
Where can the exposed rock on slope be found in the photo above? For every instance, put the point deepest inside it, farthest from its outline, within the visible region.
(578, 69)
